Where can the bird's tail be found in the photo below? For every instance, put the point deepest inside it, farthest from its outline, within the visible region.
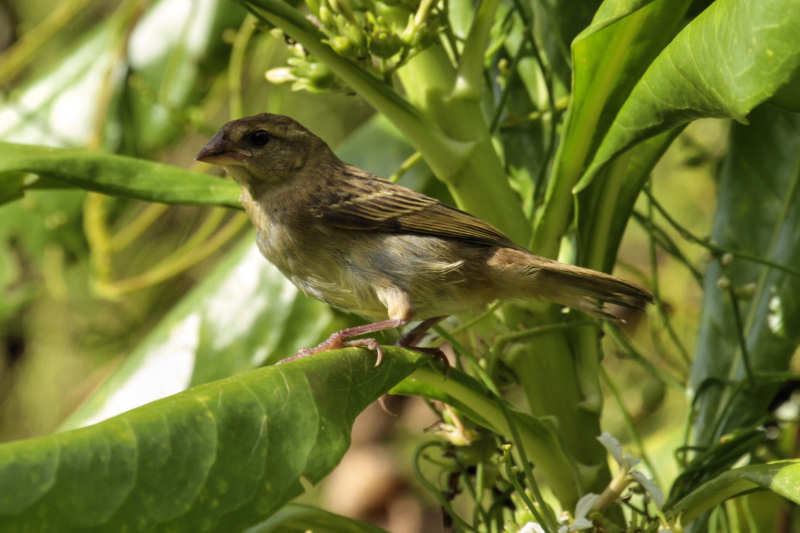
(580, 288)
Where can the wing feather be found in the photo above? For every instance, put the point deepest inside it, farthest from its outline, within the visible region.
(365, 202)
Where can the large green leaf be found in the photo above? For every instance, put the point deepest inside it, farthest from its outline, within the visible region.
(630, 35)
(733, 56)
(781, 477)
(758, 212)
(225, 454)
(113, 174)
(44, 109)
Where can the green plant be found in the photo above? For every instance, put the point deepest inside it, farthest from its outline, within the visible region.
(543, 118)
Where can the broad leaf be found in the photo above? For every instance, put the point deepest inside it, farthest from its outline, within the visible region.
(173, 52)
(733, 56)
(225, 454)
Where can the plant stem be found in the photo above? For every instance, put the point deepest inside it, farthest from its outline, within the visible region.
(236, 64)
(539, 440)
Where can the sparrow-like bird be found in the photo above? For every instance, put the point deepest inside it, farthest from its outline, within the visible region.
(383, 251)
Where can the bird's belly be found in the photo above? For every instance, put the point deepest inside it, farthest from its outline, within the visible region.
(347, 269)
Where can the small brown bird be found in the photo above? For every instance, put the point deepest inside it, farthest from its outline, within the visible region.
(366, 245)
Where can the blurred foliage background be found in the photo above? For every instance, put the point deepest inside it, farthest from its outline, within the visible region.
(85, 278)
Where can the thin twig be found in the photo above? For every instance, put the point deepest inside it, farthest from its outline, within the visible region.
(740, 335)
(712, 246)
(656, 288)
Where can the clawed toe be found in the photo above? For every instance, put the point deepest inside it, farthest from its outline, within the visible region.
(370, 343)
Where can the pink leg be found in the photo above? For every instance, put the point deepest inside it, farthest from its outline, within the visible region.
(341, 339)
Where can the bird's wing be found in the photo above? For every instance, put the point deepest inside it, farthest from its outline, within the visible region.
(365, 202)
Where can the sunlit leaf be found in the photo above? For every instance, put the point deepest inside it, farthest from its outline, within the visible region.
(228, 453)
(725, 62)
(173, 53)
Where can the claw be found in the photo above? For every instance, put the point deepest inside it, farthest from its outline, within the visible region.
(370, 343)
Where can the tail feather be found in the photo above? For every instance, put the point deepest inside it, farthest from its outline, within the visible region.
(580, 288)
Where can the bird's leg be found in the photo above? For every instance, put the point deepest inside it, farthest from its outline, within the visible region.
(410, 339)
(341, 339)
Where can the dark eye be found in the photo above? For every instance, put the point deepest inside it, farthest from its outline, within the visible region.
(257, 138)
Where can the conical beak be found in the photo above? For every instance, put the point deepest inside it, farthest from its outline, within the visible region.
(221, 151)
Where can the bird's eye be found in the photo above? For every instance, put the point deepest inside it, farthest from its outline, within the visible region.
(257, 138)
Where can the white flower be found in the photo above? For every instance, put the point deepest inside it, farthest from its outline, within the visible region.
(280, 75)
(650, 486)
(625, 460)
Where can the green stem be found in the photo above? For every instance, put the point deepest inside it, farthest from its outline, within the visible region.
(243, 36)
(713, 247)
(470, 70)
(645, 363)
(737, 316)
(657, 290)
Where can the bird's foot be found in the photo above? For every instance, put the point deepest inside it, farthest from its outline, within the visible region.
(342, 339)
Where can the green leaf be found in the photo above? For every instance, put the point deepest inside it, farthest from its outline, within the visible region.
(630, 35)
(758, 212)
(781, 477)
(226, 453)
(296, 518)
(733, 56)
(115, 175)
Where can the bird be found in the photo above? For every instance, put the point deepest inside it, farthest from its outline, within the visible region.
(383, 251)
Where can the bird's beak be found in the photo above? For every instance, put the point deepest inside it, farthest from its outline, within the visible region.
(221, 151)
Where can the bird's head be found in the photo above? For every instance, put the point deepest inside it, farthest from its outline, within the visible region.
(263, 148)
